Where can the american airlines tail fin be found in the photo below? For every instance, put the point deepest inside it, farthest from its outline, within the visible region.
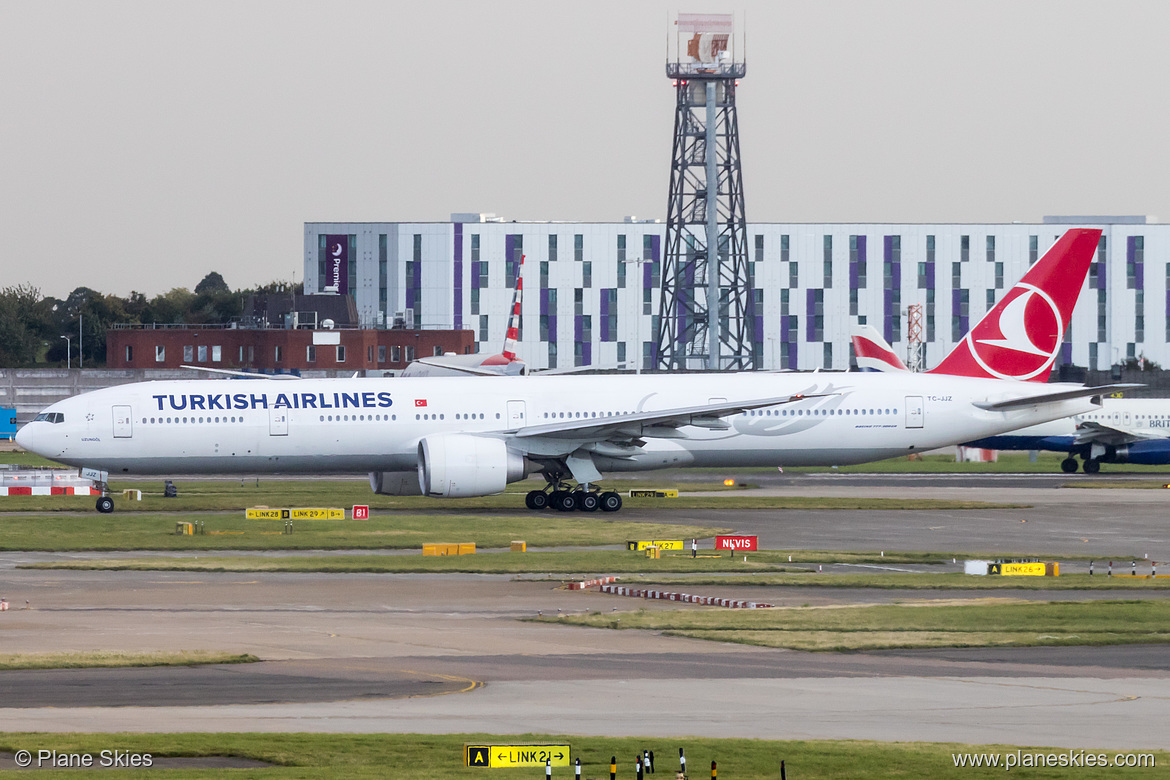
(873, 352)
(513, 334)
(1021, 336)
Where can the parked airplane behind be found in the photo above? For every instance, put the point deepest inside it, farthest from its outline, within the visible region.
(503, 363)
(1122, 430)
(449, 437)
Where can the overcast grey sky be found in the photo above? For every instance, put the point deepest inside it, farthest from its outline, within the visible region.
(146, 143)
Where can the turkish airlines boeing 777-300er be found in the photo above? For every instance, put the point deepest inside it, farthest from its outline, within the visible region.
(455, 437)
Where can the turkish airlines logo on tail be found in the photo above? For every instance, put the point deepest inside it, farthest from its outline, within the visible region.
(1024, 340)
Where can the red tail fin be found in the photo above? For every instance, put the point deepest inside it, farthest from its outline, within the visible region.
(873, 352)
(1021, 336)
(513, 334)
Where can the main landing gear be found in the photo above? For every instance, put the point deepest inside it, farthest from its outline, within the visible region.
(1069, 465)
(104, 504)
(563, 497)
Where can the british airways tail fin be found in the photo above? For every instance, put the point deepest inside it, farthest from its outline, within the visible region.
(874, 352)
(1021, 336)
(513, 334)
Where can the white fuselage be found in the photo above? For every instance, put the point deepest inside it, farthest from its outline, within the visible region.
(367, 425)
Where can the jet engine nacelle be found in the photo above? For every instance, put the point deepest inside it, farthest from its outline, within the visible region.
(459, 465)
(395, 483)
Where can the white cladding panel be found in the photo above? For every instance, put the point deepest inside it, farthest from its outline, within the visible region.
(812, 280)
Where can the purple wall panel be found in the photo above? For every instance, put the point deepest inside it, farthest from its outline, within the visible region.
(458, 302)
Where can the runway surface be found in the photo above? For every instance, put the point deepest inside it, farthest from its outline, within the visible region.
(371, 653)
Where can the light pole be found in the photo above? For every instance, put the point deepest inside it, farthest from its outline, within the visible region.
(638, 317)
(80, 359)
(68, 352)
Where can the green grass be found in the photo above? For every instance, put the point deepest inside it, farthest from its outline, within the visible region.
(229, 495)
(440, 757)
(1008, 462)
(1128, 484)
(572, 562)
(562, 562)
(986, 623)
(24, 459)
(105, 658)
(384, 531)
(918, 581)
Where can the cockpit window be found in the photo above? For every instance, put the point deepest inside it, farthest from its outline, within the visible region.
(52, 417)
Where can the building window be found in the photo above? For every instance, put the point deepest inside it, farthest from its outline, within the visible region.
(828, 356)
(409, 353)
(311, 353)
(188, 353)
(587, 274)
(202, 353)
(544, 275)
(552, 354)
(828, 257)
(381, 353)
(784, 253)
(964, 248)
(621, 352)
(621, 248)
(216, 353)
(552, 247)
(160, 353)
(991, 249)
(437, 350)
(370, 354)
(621, 269)
(129, 354)
(395, 354)
(483, 328)
(340, 353)
(278, 354)
(578, 247)
(1135, 251)
(647, 301)
(759, 248)
(1033, 249)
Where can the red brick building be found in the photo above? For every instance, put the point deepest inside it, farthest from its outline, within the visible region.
(269, 349)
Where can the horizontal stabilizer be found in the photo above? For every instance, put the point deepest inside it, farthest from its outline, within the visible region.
(1048, 398)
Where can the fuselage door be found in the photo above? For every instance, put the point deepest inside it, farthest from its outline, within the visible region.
(516, 416)
(914, 414)
(278, 422)
(123, 422)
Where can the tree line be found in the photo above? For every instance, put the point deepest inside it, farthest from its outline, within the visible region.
(32, 325)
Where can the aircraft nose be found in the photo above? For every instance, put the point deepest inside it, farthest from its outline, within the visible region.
(25, 437)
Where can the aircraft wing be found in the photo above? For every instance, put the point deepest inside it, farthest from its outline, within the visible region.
(661, 423)
(578, 369)
(1047, 398)
(1092, 432)
(440, 363)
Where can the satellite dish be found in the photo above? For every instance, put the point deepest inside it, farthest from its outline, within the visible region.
(328, 324)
